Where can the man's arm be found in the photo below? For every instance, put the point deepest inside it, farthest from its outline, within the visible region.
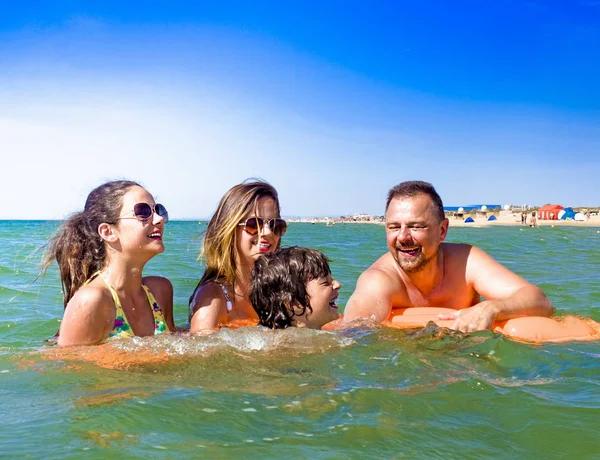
(372, 297)
(508, 295)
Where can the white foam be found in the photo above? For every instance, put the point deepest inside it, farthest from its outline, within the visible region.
(245, 339)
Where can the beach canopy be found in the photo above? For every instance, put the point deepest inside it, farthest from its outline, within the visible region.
(579, 217)
(550, 211)
(569, 214)
(492, 218)
(469, 220)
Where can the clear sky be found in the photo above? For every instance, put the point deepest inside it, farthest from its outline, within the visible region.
(331, 102)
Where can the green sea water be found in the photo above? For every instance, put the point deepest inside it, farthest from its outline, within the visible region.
(362, 393)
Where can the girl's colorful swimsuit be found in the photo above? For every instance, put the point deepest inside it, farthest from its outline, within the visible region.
(122, 328)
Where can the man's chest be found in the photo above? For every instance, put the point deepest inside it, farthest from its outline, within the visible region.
(442, 296)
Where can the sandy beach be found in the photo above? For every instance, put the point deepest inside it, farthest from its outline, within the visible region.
(514, 219)
(503, 218)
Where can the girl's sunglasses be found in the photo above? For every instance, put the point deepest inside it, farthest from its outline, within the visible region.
(255, 224)
(143, 211)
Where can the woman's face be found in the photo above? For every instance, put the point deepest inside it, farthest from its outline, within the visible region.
(138, 234)
(250, 247)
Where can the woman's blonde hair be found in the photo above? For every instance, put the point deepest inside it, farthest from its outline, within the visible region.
(219, 247)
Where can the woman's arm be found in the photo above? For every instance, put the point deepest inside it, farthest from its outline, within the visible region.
(209, 308)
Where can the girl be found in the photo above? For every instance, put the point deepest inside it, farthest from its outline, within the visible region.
(294, 287)
(101, 253)
(246, 225)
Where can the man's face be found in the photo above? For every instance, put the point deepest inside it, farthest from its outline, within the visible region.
(413, 231)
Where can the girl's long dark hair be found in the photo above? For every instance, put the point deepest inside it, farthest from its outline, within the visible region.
(77, 246)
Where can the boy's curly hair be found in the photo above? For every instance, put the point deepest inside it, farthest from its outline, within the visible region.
(278, 289)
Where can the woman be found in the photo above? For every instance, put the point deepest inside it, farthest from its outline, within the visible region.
(246, 225)
(101, 253)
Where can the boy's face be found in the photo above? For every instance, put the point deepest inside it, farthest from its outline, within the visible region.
(323, 293)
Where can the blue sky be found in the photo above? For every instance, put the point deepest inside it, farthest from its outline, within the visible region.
(331, 102)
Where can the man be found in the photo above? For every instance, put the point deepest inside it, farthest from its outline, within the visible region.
(420, 270)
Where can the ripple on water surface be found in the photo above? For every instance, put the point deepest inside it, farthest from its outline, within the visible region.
(361, 392)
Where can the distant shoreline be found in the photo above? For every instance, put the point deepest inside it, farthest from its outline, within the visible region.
(502, 220)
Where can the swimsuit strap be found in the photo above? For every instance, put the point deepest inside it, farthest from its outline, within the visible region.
(122, 328)
(112, 290)
(160, 324)
(228, 303)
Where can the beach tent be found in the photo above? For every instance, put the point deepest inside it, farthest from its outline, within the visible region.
(469, 220)
(492, 218)
(561, 213)
(579, 217)
(549, 211)
(569, 214)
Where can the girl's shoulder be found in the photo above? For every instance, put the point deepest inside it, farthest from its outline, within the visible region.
(158, 285)
(162, 290)
(95, 295)
(88, 317)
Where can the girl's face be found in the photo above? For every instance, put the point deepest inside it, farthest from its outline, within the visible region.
(323, 293)
(250, 247)
(143, 235)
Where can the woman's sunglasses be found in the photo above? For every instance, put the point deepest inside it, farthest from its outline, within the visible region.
(143, 211)
(255, 224)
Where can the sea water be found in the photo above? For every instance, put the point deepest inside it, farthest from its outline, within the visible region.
(366, 392)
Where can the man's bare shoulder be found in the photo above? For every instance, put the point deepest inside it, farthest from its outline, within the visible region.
(382, 279)
(383, 274)
(457, 255)
(467, 255)
(374, 291)
(456, 249)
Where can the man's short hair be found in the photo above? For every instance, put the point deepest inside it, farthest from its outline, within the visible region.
(412, 188)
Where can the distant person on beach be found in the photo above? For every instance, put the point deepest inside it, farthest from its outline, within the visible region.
(246, 225)
(420, 270)
(101, 253)
(533, 220)
(523, 218)
(294, 287)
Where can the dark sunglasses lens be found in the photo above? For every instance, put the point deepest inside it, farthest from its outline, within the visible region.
(142, 210)
(279, 226)
(252, 225)
(162, 212)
